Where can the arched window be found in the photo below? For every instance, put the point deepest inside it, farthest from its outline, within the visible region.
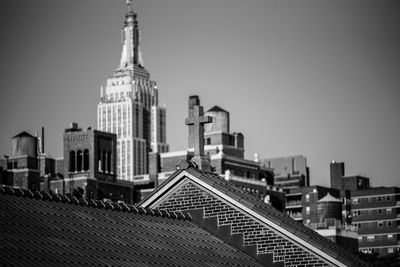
(72, 161)
(86, 160)
(79, 161)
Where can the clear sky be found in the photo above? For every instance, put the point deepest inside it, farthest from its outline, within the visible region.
(317, 78)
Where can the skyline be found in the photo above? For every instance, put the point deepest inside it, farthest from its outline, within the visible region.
(320, 79)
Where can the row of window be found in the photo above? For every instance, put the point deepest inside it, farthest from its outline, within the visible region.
(128, 158)
(377, 198)
(357, 213)
(79, 160)
(379, 250)
(105, 159)
(372, 238)
(374, 224)
(117, 119)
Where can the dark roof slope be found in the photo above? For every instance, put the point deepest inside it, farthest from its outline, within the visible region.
(53, 230)
(280, 218)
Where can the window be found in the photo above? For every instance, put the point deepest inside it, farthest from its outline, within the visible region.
(389, 223)
(15, 164)
(356, 201)
(103, 161)
(359, 225)
(109, 162)
(208, 141)
(380, 211)
(79, 161)
(99, 160)
(307, 197)
(388, 198)
(390, 250)
(370, 238)
(390, 237)
(380, 224)
(356, 213)
(307, 210)
(389, 211)
(72, 161)
(86, 160)
(379, 198)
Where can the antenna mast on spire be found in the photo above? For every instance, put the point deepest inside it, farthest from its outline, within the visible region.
(129, 4)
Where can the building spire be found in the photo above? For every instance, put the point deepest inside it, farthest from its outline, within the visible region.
(129, 4)
(131, 54)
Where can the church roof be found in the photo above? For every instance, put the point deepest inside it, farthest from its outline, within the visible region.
(54, 230)
(217, 109)
(258, 209)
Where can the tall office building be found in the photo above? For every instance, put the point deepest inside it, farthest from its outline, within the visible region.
(129, 107)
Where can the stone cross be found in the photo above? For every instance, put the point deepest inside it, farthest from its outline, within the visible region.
(197, 119)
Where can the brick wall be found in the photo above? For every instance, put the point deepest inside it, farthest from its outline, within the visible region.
(190, 197)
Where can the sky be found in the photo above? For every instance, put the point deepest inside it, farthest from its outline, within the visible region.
(313, 78)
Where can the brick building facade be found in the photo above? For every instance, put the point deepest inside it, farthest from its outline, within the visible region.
(251, 225)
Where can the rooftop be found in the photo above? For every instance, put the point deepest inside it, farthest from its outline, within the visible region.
(56, 230)
(217, 109)
(23, 134)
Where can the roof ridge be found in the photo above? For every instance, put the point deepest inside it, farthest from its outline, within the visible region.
(99, 204)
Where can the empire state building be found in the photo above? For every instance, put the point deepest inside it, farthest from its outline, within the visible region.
(129, 107)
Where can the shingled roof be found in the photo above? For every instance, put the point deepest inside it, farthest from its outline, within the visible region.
(53, 230)
(264, 213)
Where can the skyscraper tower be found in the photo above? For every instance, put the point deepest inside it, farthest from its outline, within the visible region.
(129, 106)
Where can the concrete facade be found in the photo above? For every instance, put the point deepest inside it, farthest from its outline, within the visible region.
(375, 214)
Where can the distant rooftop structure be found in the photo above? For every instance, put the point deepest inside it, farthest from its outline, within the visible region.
(217, 109)
(290, 171)
(23, 134)
(329, 198)
(343, 182)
